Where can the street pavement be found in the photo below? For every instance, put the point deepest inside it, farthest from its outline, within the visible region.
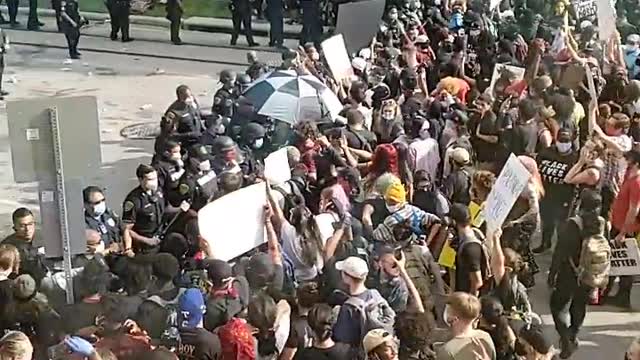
(135, 82)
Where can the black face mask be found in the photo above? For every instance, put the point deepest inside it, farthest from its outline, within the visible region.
(520, 349)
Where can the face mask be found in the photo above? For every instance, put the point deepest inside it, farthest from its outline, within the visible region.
(563, 147)
(99, 209)
(474, 33)
(176, 156)
(315, 56)
(204, 166)
(151, 185)
(388, 115)
(258, 143)
(393, 208)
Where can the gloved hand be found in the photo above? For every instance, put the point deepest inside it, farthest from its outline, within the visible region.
(80, 346)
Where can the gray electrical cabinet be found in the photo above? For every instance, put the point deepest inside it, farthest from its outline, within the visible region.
(55, 141)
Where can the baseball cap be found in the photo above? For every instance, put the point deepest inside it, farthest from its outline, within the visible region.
(354, 267)
(460, 156)
(192, 308)
(633, 38)
(375, 338)
(219, 271)
(395, 193)
(24, 286)
(422, 39)
(359, 63)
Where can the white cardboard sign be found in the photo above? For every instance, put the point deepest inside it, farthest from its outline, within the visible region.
(625, 258)
(233, 224)
(510, 183)
(335, 52)
(276, 167)
(497, 76)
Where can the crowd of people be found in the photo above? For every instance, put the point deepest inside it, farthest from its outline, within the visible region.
(405, 172)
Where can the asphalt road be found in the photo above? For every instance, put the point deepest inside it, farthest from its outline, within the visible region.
(130, 90)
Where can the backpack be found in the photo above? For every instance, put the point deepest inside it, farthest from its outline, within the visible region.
(595, 259)
(169, 335)
(418, 272)
(486, 258)
(374, 313)
(299, 192)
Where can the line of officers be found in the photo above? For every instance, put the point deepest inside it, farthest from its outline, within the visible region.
(195, 162)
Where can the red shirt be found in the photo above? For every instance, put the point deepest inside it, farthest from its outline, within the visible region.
(629, 194)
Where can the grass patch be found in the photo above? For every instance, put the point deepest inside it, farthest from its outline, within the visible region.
(205, 8)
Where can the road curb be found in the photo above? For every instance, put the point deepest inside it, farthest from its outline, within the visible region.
(215, 25)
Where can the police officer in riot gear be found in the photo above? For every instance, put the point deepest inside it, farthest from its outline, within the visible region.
(224, 98)
(228, 158)
(199, 184)
(98, 217)
(174, 14)
(243, 81)
(169, 166)
(71, 23)
(253, 142)
(189, 122)
(241, 16)
(119, 11)
(216, 126)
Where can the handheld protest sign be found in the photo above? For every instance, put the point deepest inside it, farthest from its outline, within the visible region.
(509, 184)
(625, 258)
(335, 52)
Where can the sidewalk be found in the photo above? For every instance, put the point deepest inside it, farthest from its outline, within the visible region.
(215, 25)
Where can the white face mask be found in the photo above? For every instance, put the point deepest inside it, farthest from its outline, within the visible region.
(176, 156)
(99, 209)
(151, 185)
(205, 165)
(393, 208)
(258, 143)
(563, 147)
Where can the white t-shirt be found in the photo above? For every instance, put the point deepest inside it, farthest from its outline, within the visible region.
(292, 247)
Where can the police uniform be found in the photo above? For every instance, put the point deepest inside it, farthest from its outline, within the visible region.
(119, 12)
(276, 20)
(4, 46)
(198, 188)
(71, 22)
(145, 212)
(189, 123)
(32, 259)
(241, 16)
(12, 7)
(169, 174)
(174, 14)
(223, 101)
(108, 225)
(33, 23)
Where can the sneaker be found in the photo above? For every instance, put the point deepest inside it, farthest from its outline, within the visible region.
(254, 44)
(177, 42)
(130, 39)
(74, 56)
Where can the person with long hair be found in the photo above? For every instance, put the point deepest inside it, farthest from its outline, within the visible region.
(321, 320)
(262, 315)
(523, 220)
(404, 169)
(384, 161)
(300, 238)
(587, 171)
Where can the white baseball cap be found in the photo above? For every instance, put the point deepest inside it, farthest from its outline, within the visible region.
(354, 267)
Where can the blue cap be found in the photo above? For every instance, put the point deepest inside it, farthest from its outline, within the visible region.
(192, 308)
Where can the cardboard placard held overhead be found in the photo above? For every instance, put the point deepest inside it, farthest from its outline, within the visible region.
(625, 258)
(335, 52)
(234, 223)
(276, 167)
(510, 183)
(584, 8)
(606, 19)
(359, 22)
(503, 76)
